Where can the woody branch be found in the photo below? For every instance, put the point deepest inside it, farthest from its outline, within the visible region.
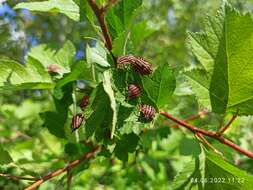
(100, 14)
(210, 134)
(64, 169)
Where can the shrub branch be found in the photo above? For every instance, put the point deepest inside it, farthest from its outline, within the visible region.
(223, 129)
(205, 141)
(64, 169)
(191, 118)
(211, 134)
(100, 14)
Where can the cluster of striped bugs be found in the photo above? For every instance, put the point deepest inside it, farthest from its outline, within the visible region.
(140, 66)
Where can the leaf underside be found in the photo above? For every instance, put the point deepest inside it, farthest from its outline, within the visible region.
(67, 7)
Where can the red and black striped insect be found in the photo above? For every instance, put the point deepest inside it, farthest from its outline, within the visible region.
(77, 121)
(142, 66)
(125, 60)
(134, 91)
(139, 64)
(147, 111)
(84, 102)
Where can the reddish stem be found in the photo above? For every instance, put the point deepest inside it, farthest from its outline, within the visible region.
(100, 14)
(223, 129)
(210, 134)
(205, 141)
(64, 169)
(191, 118)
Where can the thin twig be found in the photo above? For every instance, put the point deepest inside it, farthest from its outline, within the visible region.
(211, 134)
(69, 179)
(205, 141)
(198, 135)
(16, 136)
(191, 118)
(223, 129)
(18, 177)
(64, 169)
(100, 14)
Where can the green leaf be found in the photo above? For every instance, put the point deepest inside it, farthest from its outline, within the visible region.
(97, 54)
(119, 80)
(153, 135)
(148, 170)
(88, 11)
(189, 146)
(125, 113)
(75, 150)
(119, 45)
(82, 5)
(199, 80)
(127, 144)
(183, 178)
(67, 7)
(5, 157)
(55, 120)
(218, 174)
(120, 17)
(103, 119)
(79, 71)
(160, 85)
(126, 42)
(224, 51)
(16, 76)
(100, 121)
(128, 119)
(109, 91)
(115, 25)
(139, 32)
(125, 10)
(47, 55)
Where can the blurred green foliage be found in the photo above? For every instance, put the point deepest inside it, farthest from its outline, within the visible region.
(165, 152)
